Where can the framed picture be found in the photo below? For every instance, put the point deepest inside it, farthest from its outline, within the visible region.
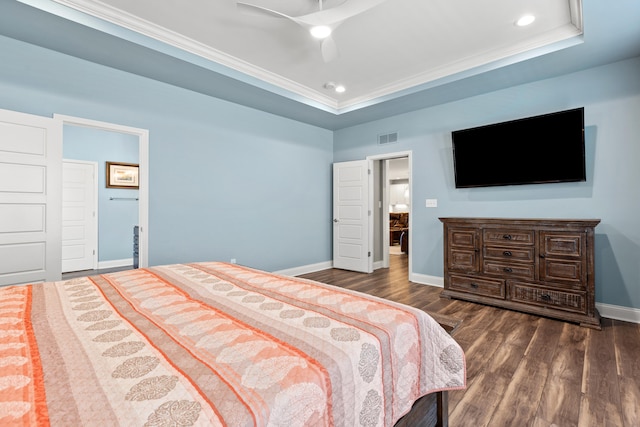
(122, 175)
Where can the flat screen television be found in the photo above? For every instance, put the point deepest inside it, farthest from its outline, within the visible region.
(534, 150)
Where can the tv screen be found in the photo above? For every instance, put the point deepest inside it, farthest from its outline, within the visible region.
(533, 150)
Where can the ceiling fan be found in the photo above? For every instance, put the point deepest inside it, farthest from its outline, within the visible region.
(322, 22)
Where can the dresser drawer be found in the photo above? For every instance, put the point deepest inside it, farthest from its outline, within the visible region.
(516, 254)
(574, 301)
(506, 236)
(509, 270)
(473, 285)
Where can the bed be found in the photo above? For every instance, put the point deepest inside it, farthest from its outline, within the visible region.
(217, 344)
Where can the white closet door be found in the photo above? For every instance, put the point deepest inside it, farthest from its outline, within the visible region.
(79, 215)
(30, 198)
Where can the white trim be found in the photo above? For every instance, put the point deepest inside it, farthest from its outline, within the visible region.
(143, 161)
(547, 42)
(116, 263)
(617, 312)
(311, 268)
(134, 23)
(425, 279)
(470, 66)
(385, 209)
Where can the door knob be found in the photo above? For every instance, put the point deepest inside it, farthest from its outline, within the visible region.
(335, 219)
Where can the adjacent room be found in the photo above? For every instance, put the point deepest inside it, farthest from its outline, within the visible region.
(330, 212)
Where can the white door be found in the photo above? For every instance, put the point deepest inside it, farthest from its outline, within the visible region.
(30, 198)
(79, 215)
(352, 225)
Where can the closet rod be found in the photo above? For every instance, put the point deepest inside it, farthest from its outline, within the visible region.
(123, 198)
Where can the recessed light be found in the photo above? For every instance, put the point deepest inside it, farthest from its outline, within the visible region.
(525, 20)
(335, 87)
(320, 31)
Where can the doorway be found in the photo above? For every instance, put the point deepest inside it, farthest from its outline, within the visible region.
(392, 208)
(141, 137)
(397, 184)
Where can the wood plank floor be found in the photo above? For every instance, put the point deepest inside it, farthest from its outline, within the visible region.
(523, 370)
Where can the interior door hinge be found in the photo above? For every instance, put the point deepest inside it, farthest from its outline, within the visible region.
(369, 254)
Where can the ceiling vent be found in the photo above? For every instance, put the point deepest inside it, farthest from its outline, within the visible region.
(388, 138)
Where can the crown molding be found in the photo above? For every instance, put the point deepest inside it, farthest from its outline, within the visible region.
(558, 39)
(141, 26)
(237, 68)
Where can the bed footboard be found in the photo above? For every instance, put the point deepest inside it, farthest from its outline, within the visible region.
(431, 410)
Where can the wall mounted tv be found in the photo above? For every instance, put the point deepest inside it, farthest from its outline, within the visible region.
(534, 150)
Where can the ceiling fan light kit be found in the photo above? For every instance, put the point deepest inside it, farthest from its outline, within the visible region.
(322, 22)
(320, 31)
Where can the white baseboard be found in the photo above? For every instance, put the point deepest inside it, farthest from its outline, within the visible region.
(311, 268)
(115, 263)
(617, 312)
(425, 279)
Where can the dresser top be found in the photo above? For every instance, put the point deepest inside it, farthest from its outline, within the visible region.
(529, 222)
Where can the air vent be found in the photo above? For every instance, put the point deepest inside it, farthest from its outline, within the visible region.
(388, 138)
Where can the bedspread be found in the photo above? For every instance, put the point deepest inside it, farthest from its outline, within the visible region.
(214, 344)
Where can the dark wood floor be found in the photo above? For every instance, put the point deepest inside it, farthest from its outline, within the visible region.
(84, 273)
(523, 370)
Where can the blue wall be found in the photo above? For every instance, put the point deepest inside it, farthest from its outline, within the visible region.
(228, 182)
(611, 98)
(116, 218)
(225, 181)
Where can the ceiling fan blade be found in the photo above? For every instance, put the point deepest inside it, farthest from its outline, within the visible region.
(253, 7)
(329, 49)
(335, 15)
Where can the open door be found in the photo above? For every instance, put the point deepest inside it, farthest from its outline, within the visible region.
(352, 225)
(79, 215)
(30, 198)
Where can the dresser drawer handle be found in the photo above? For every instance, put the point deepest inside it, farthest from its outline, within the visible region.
(507, 253)
(545, 297)
(507, 236)
(474, 285)
(507, 270)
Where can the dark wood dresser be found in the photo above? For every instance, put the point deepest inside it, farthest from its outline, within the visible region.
(539, 266)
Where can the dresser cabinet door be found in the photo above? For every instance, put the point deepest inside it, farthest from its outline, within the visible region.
(563, 257)
(463, 250)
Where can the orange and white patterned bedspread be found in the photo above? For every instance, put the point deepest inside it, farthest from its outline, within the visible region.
(214, 344)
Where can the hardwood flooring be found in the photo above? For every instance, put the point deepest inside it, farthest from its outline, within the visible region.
(74, 274)
(523, 370)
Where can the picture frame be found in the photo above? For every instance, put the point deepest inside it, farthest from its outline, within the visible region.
(122, 175)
